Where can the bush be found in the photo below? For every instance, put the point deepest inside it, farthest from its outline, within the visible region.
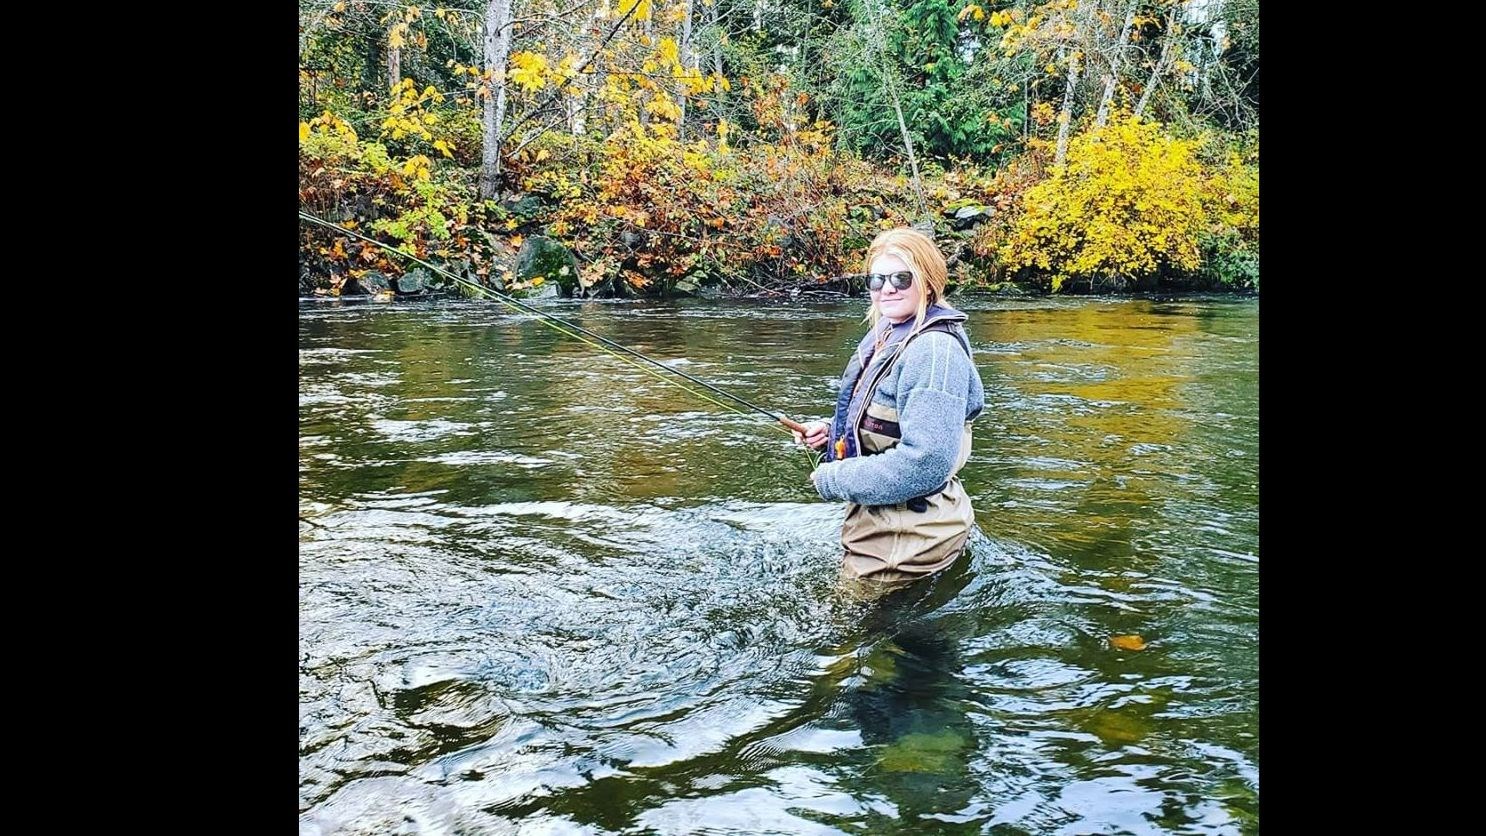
(1126, 204)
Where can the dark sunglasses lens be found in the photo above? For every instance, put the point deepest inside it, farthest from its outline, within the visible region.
(902, 280)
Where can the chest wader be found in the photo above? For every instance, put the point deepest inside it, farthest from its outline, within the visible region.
(911, 539)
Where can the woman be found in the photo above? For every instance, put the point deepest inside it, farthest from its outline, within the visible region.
(902, 425)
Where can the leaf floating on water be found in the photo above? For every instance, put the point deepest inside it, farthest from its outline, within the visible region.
(1128, 642)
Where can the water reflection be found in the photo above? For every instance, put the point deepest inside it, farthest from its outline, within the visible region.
(541, 591)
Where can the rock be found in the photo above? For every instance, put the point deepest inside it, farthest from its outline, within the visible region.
(956, 255)
(524, 206)
(926, 227)
(543, 257)
(502, 259)
(413, 281)
(968, 216)
(955, 205)
(594, 284)
(545, 290)
(371, 283)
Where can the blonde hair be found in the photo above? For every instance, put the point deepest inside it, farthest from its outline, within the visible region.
(922, 258)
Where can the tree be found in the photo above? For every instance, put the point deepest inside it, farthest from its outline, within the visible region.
(497, 51)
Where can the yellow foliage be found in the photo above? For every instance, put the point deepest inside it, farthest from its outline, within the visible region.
(528, 70)
(418, 167)
(328, 136)
(665, 107)
(693, 80)
(1127, 203)
(1235, 197)
(641, 7)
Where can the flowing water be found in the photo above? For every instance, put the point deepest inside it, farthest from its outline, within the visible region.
(542, 591)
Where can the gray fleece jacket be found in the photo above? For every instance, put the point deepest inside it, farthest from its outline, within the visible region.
(935, 388)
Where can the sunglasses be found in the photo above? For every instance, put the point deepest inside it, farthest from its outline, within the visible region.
(902, 280)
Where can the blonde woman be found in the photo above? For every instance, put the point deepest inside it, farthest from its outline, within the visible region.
(901, 431)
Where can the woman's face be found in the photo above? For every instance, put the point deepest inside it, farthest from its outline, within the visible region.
(897, 305)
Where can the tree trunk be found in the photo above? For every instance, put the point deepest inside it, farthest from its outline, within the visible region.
(888, 75)
(1114, 67)
(497, 51)
(647, 26)
(588, 82)
(716, 42)
(1150, 84)
(1065, 116)
(394, 66)
(1080, 21)
(688, 62)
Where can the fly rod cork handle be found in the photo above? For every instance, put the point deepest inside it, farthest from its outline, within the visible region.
(794, 425)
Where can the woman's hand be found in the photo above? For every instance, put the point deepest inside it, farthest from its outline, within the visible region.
(815, 434)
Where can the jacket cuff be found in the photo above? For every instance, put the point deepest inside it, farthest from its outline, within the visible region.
(824, 483)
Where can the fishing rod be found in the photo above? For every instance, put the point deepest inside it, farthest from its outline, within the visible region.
(575, 329)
